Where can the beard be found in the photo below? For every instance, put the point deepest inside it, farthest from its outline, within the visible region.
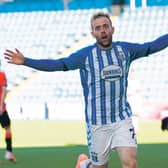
(104, 44)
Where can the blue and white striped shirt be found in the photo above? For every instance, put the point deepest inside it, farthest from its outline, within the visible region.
(103, 76)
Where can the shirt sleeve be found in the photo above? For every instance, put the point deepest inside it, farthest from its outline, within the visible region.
(74, 61)
(141, 50)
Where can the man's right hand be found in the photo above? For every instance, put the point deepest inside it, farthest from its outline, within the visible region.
(14, 57)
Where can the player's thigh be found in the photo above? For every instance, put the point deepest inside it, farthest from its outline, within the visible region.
(125, 143)
(127, 155)
(125, 135)
(99, 144)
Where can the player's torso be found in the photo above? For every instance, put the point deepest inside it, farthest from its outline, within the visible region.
(105, 84)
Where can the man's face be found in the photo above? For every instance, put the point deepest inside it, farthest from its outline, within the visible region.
(102, 30)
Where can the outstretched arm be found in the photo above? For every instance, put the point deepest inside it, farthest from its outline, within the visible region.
(16, 57)
(140, 50)
(158, 44)
(62, 64)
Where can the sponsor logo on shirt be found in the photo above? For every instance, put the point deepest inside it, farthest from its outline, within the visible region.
(111, 73)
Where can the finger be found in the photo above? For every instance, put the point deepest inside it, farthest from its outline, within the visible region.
(8, 58)
(10, 62)
(9, 51)
(17, 50)
(7, 54)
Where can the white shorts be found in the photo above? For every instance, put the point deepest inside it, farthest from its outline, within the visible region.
(104, 138)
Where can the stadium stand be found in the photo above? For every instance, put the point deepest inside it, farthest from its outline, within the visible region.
(42, 35)
(53, 34)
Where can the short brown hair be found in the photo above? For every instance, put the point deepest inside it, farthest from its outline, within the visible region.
(98, 15)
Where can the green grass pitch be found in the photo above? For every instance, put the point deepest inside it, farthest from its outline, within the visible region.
(56, 144)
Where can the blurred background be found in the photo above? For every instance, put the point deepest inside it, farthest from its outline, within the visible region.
(56, 28)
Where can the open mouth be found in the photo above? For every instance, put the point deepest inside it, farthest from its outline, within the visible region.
(104, 37)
